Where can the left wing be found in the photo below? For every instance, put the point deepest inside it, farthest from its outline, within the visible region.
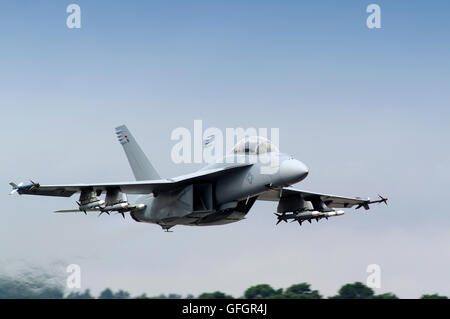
(331, 201)
(138, 187)
(67, 190)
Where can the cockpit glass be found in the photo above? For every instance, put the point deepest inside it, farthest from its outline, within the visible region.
(255, 145)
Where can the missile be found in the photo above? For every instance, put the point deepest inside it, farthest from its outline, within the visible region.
(15, 187)
(317, 214)
(22, 187)
(122, 207)
(92, 205)
(308, 215)
(334, 213)
(140, 207)
(300, 217)
(116, 207)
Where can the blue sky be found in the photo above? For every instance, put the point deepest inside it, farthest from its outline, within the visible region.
(366, 110)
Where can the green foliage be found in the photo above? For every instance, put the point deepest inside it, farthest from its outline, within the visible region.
(301, 291)
(433, 296)
(106, 294)
(109, 294)
(80, 295)
(41, 286)
(388, 295)
(356, 290)
(214, 295)
(263, 291)
(121, 294)
(170, 296)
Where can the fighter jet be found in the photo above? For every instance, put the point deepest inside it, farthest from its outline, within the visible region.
(222, 192)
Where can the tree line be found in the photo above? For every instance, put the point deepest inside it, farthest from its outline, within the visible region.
(39, 285)
(356, 290)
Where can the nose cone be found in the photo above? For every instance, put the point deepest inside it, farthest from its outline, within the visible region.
(293, 171)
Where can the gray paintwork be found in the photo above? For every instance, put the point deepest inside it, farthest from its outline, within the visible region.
(220, 193)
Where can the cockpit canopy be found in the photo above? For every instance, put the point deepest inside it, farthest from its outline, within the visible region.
(255, 145)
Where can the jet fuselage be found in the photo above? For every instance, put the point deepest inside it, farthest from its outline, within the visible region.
(226, 200)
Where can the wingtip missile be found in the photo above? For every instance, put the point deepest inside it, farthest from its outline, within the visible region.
(15, 187)
(18, 187)
(33, 184)
(366, 203)
(383, 199)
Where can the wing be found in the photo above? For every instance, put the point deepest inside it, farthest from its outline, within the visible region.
(141, 187)
(138, 187)
(331, 201)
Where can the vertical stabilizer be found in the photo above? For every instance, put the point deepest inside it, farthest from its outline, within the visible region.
(141, 166)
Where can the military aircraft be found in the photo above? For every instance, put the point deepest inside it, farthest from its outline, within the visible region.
(220, 193)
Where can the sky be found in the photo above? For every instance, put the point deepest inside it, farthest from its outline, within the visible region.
(366, 109)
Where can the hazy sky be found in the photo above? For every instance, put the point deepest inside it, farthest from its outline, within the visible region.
(367, 110)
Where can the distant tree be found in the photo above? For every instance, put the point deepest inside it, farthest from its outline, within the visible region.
(388, 295)
(433, 296)
(169, 296)
(214, 295)
(262, 291)
(301, 291)
(143, 296)
(161, 296)
(108, 294)
(121, 294)
(355, 290)
(190, 296)
(80, 295)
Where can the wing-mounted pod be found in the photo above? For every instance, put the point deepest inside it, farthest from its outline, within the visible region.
(320, 205)
(89, 200)
(293, 204)
(116, 201)
(296, 208)
(289, 206)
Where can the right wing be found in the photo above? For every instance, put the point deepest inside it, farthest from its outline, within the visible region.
(332, 201)
(300, 206)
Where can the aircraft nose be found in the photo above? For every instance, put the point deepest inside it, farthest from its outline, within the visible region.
(293, 171)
